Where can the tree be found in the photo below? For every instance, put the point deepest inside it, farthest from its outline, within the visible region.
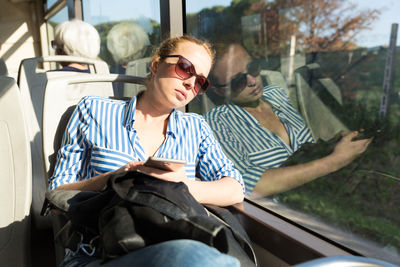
(325, 25)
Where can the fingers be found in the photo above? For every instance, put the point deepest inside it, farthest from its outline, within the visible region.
(131, 166)
(172, 176)
(343, 133)
(151, 171)
(351, 135)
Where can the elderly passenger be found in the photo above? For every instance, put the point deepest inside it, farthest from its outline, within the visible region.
(76, 38)
(127, 41)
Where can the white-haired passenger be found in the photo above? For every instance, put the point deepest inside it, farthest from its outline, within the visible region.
(76, 38)
(126, 42)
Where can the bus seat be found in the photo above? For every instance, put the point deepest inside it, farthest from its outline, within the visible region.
(319, 101)
(15, 171)
(276, 78)
(139, 67)
(3, 68)
(32, 81)
(60, 98)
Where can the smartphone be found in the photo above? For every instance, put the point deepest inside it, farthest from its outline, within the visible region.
(367, 134)
(164, 164)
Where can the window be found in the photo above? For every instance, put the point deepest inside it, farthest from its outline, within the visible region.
(104, 15)
(50, 4)
(328, 58)
(52, 22)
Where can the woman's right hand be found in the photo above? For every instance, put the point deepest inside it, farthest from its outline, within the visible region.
(131, 166)
(347, 149)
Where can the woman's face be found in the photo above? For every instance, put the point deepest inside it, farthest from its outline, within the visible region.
(169, 88)
(230, 66)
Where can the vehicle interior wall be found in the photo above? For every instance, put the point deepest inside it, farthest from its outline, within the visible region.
(19, 32)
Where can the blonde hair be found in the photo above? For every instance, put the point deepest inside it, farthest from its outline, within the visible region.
(78, 38)
(169, 45)
(126, 42)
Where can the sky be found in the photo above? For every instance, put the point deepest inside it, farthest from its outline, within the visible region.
(380, 32)
(97, 11)
(378, 35)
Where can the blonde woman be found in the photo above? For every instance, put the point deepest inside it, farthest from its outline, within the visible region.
(105, 136)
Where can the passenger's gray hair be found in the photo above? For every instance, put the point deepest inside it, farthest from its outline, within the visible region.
(127, 41)
(78, 38)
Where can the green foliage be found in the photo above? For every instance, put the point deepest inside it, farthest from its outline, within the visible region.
(364, 197)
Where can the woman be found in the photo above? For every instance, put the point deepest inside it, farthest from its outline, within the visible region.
(259, 128)
(76, 38)
(104, 134)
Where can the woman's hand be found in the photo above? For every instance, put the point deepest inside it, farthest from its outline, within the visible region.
(223, 192)
(131, 166)
(178, 175)
(347, 150)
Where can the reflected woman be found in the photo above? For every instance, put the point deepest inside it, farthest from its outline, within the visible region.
(259, 129)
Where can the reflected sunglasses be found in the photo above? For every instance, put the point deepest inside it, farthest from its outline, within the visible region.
(239, 81)
(185, 69)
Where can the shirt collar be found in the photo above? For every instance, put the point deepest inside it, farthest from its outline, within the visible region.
(173, 125)
(245, 115)
(129, 119)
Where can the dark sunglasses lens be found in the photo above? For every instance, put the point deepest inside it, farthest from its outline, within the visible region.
(239, 83)
(253, 68)
(201, 85)
(184, 68)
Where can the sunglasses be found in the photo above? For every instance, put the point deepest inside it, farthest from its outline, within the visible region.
(185, 69)
(239, 81)
(54, 44)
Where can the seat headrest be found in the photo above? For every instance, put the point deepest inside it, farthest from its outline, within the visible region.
(3, 68)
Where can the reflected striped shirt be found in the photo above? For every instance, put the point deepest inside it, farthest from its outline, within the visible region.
(251, 147)
(101, 137)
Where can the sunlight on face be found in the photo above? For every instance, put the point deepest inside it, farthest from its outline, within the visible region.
(169, 87)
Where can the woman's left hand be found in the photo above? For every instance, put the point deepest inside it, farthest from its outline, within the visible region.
(176, 176)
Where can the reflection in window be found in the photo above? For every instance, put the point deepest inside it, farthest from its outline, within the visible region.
(128, 35)
(104, 15)
(323, 69)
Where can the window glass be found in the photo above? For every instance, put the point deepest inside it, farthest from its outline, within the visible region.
(50, 3)
(292, 81)
(104, 15)
(128, 30)
(52, 22)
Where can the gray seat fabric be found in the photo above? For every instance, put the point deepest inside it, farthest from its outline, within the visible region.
(32, 79)
(60, 98)
(3, 68)
(319, 101)
(15, 178)
(139, 67)
(277, 78)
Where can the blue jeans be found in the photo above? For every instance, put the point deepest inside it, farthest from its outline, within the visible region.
(173, 253)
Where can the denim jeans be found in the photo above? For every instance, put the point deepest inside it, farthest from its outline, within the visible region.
(173, 253)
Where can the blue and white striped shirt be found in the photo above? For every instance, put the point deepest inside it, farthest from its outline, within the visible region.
(252, 147)
(101, 137)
